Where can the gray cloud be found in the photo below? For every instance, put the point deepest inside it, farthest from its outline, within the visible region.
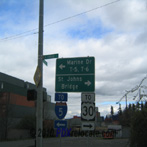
(120, 55)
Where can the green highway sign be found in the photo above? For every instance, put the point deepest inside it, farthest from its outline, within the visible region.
(50, 56)
(45, 62)
(75, 74)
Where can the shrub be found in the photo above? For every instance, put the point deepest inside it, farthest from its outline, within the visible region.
(138, 136)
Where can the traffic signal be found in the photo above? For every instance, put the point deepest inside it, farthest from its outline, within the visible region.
(31, 95)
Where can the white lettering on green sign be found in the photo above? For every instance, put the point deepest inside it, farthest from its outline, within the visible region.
(75, 62)
(75, 74)
(69, 87)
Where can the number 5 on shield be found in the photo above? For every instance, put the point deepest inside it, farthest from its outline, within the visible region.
(60, 111)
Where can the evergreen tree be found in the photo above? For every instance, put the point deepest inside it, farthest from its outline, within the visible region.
(119, 110)
(142, 106)
(138, 106)
(134, 107)
(145, 106)
(112, 111)
(130, 107)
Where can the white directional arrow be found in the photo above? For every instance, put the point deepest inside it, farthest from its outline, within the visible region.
(60, 125)
(61, 66)
(87, 126)
(88, 83)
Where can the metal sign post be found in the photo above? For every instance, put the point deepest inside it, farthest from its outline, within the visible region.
(39, 115)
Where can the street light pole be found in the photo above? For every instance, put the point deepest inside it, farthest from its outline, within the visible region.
(39, 124)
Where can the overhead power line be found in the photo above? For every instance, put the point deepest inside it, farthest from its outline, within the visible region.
(18, 36)
(31, 32)
(70, 17)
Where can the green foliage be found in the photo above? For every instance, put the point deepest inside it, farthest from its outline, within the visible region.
(126, 115)
(28, 122)
(135, 117)
(139, 129)
(120, 110)
(125, 118)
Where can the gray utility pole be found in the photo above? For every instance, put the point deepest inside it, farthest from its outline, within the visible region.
(39, 124)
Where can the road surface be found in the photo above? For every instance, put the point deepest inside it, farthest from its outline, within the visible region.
(70, 142)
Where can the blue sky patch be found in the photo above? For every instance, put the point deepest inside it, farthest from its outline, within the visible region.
(91, 29)
(16, 13)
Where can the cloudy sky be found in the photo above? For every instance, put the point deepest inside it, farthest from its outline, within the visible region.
(113, 31)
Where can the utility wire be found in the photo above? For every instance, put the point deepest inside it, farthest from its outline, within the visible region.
(17, 36)
(64, 19)
(20, 35)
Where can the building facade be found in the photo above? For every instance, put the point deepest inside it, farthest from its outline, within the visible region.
(14, 105)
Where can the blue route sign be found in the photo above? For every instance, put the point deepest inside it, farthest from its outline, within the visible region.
(60, 110)
(60, 124)
(61, 97)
